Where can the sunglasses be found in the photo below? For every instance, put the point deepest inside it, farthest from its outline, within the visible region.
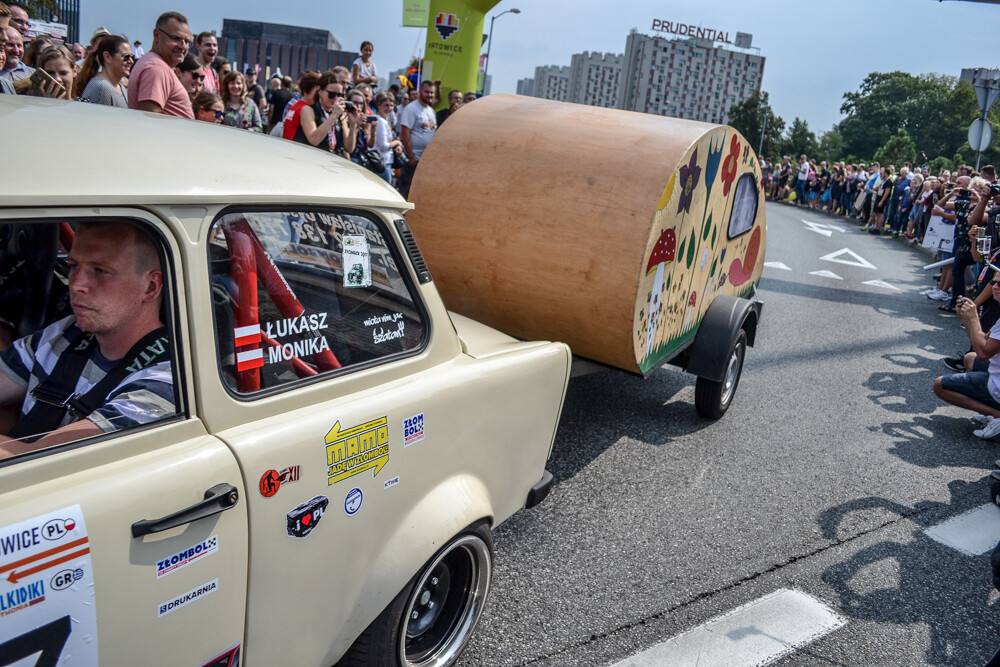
(196, 76)
(994, 282)
(218, 114)
(333, 94)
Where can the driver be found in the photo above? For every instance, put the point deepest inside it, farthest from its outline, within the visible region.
(107, 366)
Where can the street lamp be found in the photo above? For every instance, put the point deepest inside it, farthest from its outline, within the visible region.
(490, 45)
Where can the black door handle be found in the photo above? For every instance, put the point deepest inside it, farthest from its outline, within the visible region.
(217, 499)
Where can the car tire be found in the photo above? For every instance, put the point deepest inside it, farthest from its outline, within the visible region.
(432, 619)
(712, 399)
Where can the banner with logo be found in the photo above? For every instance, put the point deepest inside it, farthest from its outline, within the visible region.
(454, 42)
(415, 13)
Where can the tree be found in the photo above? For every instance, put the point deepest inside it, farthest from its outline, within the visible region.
(897, 150)
(800, 140)
(831, 145)
(887, 102)
(747, 118)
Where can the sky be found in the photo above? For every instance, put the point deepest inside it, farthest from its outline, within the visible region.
(815, 51)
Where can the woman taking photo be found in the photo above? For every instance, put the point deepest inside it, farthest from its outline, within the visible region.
(318, 119)
(240, 110)
(57, 62)
(113, 58)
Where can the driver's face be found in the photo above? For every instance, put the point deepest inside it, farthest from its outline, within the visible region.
(105, 285)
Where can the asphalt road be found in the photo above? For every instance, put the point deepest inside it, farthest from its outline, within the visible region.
(831, 463)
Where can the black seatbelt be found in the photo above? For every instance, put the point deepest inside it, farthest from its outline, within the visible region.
(55, 396)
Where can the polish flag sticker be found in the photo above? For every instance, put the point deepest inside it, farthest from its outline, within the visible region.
(249, 359)
(247, 335)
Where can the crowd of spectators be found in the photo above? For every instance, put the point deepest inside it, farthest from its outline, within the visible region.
(181, 74)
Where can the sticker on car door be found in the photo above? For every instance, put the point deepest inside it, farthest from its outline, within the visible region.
(46, 579)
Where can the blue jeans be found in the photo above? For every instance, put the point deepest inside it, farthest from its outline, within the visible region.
(975, 385)
(890, 214)
(802, 192)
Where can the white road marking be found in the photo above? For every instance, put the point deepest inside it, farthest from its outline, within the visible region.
(825, 274)
(880, 283)
(820, 228)
(777, 265)
(858, 259)
(757, 633)
(973, 533)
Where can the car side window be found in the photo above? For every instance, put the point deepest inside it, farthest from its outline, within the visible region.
(80, 354)
(301, 293)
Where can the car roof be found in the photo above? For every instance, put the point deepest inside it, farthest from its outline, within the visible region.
(62, 153)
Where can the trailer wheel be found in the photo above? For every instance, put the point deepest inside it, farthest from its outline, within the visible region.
(432, 619)
(712, 399)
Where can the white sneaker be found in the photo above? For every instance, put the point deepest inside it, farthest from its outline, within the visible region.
(928, 291)
(991, 430)
(940, 295)
(981, 420)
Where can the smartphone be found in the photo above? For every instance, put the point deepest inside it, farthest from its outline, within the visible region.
(370, 119)
(349, 107)
(41, 77)
(964, 192)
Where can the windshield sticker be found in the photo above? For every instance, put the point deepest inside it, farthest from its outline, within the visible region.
(248, 335)
(46, 579)
(272, 480)
(357, 262)
(356, 449)
(389, 483)
(185, 557)
(413, 429)
(184, 599)
(303, 519)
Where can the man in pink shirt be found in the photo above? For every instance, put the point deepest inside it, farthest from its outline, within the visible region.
(153, 84)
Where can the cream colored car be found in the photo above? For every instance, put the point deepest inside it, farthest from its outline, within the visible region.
(339, 446)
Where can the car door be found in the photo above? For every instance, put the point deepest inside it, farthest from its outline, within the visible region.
(93, 569)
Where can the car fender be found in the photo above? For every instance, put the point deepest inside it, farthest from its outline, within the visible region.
(722, 323)
(448, 509)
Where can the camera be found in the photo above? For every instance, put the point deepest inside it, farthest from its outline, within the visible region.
(994, 189)
(964, 192)
(349, 107)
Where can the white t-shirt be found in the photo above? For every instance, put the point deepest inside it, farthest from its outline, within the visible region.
(422, 122)
(994, 383)
(804, 171)
(383, 135)
(363, 69)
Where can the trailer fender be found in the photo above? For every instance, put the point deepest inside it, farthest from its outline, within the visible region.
(717, 333)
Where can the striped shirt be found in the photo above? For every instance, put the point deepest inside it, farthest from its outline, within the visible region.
(141, 398)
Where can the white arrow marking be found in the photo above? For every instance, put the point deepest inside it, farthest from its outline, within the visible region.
(825, 274)
(880, 283)
(820, 228)
(858, 259)
(777, 265)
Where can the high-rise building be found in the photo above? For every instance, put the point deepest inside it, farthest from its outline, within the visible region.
(552, 83)
(594, 78)
(526, 87)
(686, 78)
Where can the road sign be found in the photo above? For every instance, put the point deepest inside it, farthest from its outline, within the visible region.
(980, 134)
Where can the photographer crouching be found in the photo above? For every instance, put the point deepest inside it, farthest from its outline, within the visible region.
(978, 389)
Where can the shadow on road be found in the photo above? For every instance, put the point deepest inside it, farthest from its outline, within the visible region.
(937, 586)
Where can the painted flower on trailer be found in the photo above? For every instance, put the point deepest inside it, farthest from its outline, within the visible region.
(714, 158)
(729, 166)
(690, 173)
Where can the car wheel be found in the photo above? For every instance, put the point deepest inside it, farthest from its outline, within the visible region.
(712, 399)
(432, 619)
